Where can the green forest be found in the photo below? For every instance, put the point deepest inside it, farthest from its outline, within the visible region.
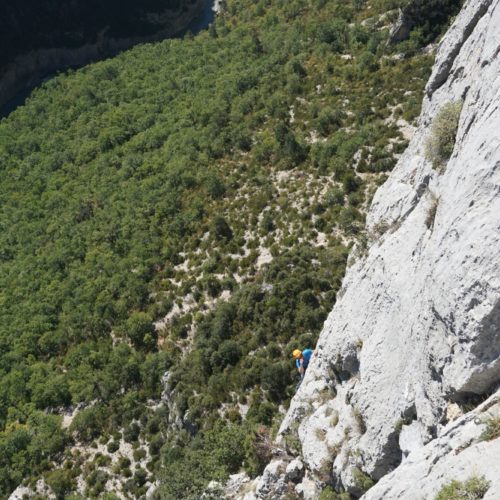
(174, 222)
(33, 24)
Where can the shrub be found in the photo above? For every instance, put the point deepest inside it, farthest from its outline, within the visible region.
(228, 353)
(275, 378)
(88, 423)
(334, 196)
(472, 489)
(102, 460)
(215, 186)
(351, 182)
(221, 229)
(96, 481)
(440, 144)
(267, 223)
(61, 482)
(330, 494)
(140, 476)
(139, 328)
(139, 454)
(431, 214)
(131, 433)
(492, 430)
(362, 481)
(258, 450)
(113, 446)
(155, 444)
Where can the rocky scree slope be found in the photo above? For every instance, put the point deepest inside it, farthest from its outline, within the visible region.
(414, 339)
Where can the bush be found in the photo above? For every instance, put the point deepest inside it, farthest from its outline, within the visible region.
(258, 450)
(228, 353)
(330, 494)
(96, 481)
(362, 481)
(88, 423)
(335, 196)
(113, 446)
(215, 186)
(140, 476)
(131, 433)
(139, 328)
(275, 378)
(61, 482)
(473, 489)
(221, 229)
(492, 430)
(440, 144)
(139, 454)
(431, 214)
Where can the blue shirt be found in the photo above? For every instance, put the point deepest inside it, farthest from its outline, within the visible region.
(306, 357)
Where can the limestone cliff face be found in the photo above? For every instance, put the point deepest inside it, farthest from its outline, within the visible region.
(416, 328)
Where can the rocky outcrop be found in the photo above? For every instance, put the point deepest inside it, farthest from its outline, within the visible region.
(418, 13)
(416, 328)
(448, 458)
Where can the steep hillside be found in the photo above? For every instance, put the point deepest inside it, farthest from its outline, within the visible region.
(40, 37)
(413, 342)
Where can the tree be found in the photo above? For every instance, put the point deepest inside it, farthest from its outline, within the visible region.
(140, 329)
(221, 229)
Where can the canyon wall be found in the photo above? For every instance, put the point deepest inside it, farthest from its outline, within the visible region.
(41, 38)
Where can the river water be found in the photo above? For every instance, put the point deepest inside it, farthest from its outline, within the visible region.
(199, 23)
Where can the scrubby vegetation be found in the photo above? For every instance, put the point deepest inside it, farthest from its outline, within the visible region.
(492, 430)
(329, 493)
(362, 480)
(441, 141)
(186, 207)
(472, 489)
(432, 211)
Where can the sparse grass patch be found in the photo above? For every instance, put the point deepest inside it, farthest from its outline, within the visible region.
(359, 420)
(492, 430)
(431, 214)
(441, 141)
(320, 433)
(379, 229)
(334, 450)
(472, 489)
(327, 394)
(334, 420)
(398, 425)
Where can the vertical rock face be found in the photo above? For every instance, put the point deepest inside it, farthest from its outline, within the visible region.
(416, 327)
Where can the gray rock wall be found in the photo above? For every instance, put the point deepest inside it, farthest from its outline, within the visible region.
(417, 324)
(458, 454)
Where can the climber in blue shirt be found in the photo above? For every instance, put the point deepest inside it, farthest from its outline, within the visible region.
(302, 359)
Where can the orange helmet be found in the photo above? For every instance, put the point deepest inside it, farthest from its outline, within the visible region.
(297, 354)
